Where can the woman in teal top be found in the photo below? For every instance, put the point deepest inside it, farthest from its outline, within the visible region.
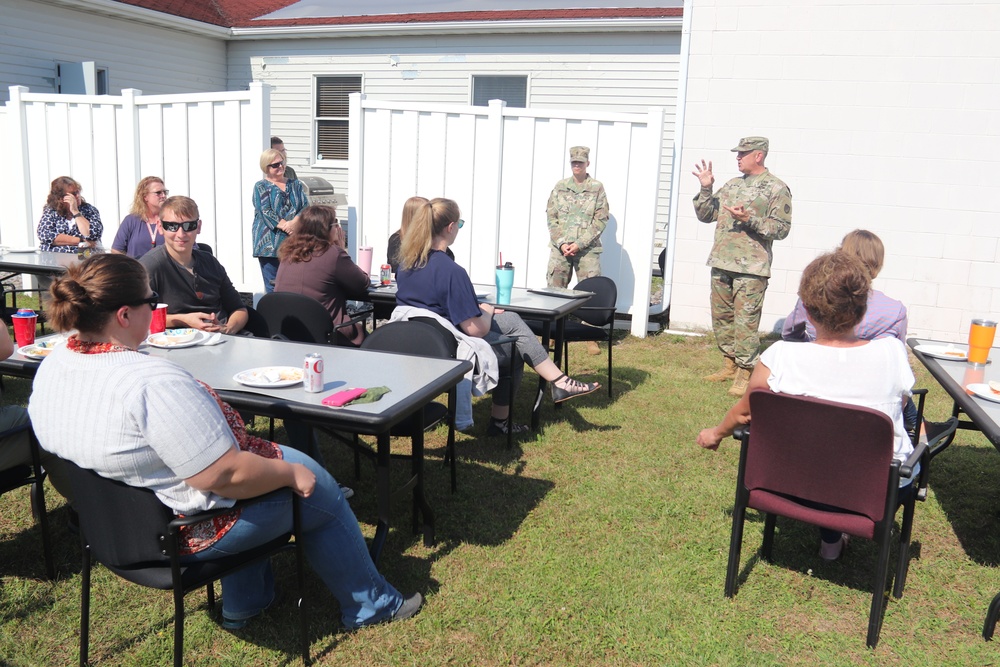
(277, 203)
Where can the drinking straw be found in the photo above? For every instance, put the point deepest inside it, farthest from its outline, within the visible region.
(501, 259)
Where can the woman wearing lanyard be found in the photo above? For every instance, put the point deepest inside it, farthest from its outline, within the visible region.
(138, 233)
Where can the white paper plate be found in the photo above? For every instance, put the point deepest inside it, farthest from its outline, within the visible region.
(950, 352)
(270, 376)
(170, 343)
(38, 350)
(983, 391)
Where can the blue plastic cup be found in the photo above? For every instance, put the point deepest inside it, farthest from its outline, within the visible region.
(505, 283)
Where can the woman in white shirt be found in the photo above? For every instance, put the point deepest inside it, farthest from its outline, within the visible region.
(836, 366)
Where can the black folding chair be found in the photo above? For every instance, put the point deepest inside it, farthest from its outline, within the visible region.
(33, 474)
(137, 537)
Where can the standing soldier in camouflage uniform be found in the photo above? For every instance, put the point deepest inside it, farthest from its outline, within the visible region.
(752, 211)
(577, 213)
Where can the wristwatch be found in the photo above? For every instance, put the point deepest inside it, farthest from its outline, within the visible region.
(79, 215)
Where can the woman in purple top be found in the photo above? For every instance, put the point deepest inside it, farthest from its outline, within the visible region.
(885, 316)
(67, 220)
(315, 263)
(139, 233)
(428, 278)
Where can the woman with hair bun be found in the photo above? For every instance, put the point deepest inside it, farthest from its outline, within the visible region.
(836, 366)
(150, 424)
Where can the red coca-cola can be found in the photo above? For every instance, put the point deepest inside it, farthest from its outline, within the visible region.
(385, 274)
(312, 373)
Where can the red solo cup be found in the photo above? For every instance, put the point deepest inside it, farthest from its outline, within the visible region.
(24, 327)
(158, 323)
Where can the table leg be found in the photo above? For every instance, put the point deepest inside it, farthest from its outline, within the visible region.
(383, 495)
(560, 344)
(421, 509)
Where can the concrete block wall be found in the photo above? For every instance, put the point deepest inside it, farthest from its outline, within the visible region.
(883, 116)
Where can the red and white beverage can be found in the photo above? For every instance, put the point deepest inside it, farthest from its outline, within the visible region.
(312, 373)
(385, 274)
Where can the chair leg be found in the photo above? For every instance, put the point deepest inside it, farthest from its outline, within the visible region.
(610, 374)
(300, 563)
(449, 452)
(878, 594)
(178, 627)
(38, 507)
(85, 606)
(992, 614)
(902, 567)
(735, 544)
(770, 520)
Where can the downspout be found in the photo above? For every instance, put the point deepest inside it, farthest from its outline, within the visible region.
(675, 167)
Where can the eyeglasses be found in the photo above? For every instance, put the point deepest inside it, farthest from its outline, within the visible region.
(153, 300)
(275, 165)
(461, 223)
(160, 193)
(188, 226)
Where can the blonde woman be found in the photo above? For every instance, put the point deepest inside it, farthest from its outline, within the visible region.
(277, 202)
(139, 233)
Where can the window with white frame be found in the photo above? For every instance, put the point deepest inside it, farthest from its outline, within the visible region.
(511, 89)
(332, 115)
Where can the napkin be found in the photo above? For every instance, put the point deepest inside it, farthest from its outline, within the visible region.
(370, 396)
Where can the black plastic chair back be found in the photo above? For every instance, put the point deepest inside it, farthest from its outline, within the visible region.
(421, 338)
(124, 525)
(599, 310)
(204, 247)
(256, 324)
(296, 317)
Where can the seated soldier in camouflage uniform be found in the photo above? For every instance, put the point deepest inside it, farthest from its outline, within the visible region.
(752, 211)
(577, 213)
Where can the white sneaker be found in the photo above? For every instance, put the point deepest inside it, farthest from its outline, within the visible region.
(831, 552)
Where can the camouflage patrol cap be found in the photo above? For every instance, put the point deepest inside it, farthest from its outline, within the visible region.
(579, 154)
(752, 144)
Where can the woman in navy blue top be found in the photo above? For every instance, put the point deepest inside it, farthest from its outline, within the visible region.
(428, 278)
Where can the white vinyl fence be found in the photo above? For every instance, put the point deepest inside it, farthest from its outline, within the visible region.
(500, 165)
(206, 146)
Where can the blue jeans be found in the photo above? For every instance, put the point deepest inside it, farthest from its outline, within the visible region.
(463, 405)
(268, 269)
(332, 541)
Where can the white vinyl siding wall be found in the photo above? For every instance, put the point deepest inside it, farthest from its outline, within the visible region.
(627, 72)
(155, 60)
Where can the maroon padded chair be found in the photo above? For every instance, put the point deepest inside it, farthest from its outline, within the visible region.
(803, 453)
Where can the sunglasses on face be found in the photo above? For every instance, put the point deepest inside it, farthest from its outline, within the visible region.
(275, 165)
(152, 301)
(189, 226)
(160, 193)
(461, 223)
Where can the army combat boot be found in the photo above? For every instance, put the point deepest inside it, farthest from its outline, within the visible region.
(727, 372)
(740, 383)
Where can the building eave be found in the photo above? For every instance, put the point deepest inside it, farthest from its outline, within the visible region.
(662, 24)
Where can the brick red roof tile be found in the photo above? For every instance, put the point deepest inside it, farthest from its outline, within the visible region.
(245, 13)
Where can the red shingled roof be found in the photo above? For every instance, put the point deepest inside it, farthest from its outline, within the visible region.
(244, 13)
(228, 13)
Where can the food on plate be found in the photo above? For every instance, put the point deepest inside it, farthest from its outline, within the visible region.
(179, 335)
(288, 374)
(995, 386)
(955, 353)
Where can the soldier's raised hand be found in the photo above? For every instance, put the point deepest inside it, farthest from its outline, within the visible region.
(704, 173)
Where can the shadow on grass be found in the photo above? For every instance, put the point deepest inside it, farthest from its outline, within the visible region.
(964, 480)
(22, 553)
(796, 547)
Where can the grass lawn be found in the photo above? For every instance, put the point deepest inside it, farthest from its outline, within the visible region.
(600, 541)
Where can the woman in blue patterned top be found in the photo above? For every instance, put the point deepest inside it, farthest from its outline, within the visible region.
(67, 220)
(277, 203)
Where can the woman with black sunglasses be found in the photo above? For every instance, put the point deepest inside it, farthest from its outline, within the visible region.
(277, 202)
